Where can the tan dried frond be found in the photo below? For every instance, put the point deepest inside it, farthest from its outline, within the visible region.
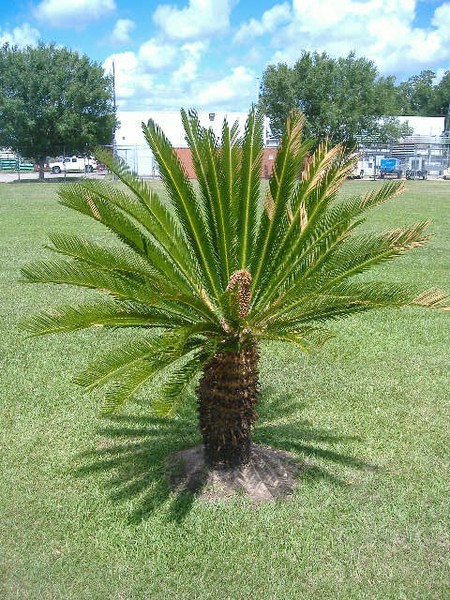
(303, 217)
(269, 205)
(241, 280)
(294, 128)
(94, 209)
(434, 298)
(204, 296)
(306, 167)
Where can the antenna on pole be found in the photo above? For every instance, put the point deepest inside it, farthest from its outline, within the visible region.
(114, 142)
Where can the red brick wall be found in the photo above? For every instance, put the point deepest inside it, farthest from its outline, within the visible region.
(269, 155)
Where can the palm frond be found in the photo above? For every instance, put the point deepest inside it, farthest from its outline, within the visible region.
(348, 298)
(102, 313)
(356, 254)
(118, 285)
(186, 206)
(206, 154)
(290, 157)
(82, 198)
(171, 353)
(112, 364)
(170, 395)
(304, 336)
(320, 180)
(147, 208)
(231, 153)
(114, 258)
(249, 187)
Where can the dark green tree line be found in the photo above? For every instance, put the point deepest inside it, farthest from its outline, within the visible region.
(346, 97)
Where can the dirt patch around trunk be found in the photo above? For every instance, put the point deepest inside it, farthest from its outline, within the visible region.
(270, 474)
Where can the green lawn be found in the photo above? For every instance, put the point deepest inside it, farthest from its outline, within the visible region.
(85, 512)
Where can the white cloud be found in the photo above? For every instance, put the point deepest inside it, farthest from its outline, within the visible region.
(122, 30)
(271, 19)
(139, 87)
(380, 30)
(201, 18)
(173, 68)
(241, 83)
(22, 36)
(72, 13)
(131, 79)
(188, 70)
(156, 55)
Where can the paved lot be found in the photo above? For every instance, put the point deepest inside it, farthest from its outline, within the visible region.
(13, 177)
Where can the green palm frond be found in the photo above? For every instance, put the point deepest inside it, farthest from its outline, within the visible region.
(171, 394)
(118, 285)
(208, 163)
(132, 381)
(114, 258)
(172, 354)
(231, 153)
(146, 207)
(346, 299)
(248, 209)
(310, 199)
(186, 206)
(93, 201)
(290, 156)
(302, 335)
(150, 348)
(103, 313)
(112, 364)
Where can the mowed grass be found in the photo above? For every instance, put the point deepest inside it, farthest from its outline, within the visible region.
(85, 512)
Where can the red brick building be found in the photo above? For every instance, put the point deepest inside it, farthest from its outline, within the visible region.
(269, 154)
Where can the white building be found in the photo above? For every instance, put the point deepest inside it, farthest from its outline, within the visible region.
(133, 148)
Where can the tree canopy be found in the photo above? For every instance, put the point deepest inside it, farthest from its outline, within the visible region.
(346, 97)
(422, 95)
(53, 101)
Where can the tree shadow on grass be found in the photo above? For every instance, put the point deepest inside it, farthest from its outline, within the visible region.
(281, 426)
(133, 451)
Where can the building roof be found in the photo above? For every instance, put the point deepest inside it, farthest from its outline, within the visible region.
(425, 126)
(130, 133)
(130, 129)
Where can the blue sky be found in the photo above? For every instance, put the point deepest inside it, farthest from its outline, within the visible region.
(210, 54)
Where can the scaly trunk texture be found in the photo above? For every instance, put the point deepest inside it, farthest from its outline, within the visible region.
(227, 395)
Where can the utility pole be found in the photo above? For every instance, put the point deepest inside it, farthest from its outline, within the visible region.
(114, 147)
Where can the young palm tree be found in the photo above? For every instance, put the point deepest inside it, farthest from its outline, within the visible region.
(207, 273)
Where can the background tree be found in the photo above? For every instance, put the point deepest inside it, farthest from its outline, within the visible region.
(416, 96)
(204, 276)
(53, 101)
(442, 97)
(340, 98)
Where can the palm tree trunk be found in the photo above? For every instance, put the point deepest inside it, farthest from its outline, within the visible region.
(227, 395)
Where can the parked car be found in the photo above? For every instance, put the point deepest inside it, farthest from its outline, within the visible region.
(73, 164)
(447, 173)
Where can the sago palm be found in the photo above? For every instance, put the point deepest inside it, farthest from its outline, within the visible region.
(207, 272)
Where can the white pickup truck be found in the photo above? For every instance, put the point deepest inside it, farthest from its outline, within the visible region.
(73, 164)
